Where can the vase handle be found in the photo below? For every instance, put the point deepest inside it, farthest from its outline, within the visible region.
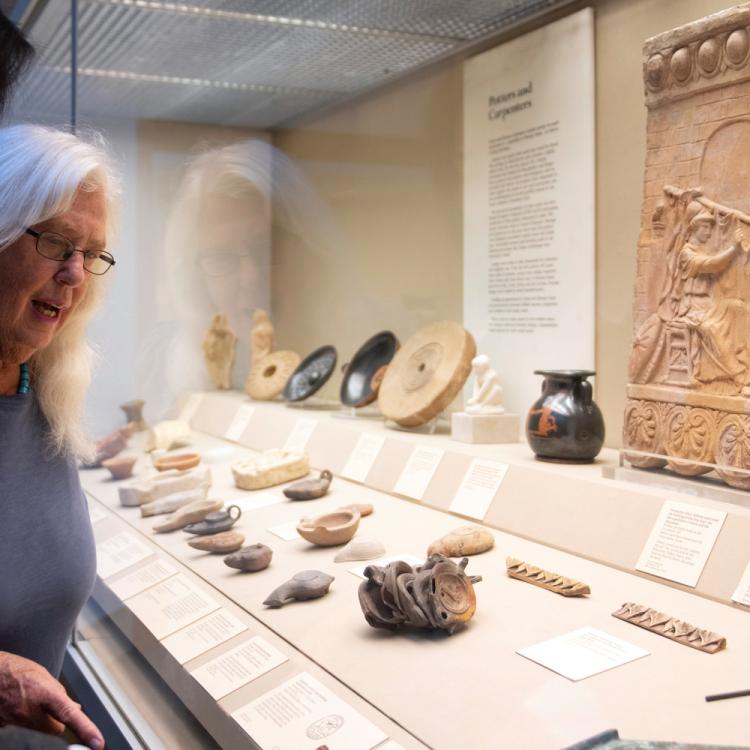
(585, 392)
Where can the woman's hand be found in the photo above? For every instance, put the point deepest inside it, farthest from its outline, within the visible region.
(31, 697)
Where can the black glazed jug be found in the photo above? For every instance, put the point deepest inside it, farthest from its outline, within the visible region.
(565, 424)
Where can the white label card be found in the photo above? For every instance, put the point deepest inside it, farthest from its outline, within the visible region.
(413, 560)
(139, 580)
(300, 435)
(286, 531)
(582, 653)
(240, 422)
(203, 635)
(237, 667)
(171, 605)
(478, 487)
(418, 472)
(255, 500)
(119, 552)
(680, 542)
(363, 457)
(303, 714)
(191, 406)
(96, 514)
(742, 593)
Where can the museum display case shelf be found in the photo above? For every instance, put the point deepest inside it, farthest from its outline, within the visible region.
(566, 519)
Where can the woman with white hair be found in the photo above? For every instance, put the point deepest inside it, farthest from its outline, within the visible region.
(57, 195)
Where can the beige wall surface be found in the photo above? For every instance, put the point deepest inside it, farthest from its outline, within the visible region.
(388, 167)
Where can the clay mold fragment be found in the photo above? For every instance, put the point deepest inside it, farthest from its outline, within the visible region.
(178, 461)
(250, 559)
(310, 489)
(215, 522)
(437, 596)
(191, 513)
(465, 540)
(670, 627)
(120, 467)
(361, 548)
(270, 468)
(308, 584)
(221, 543)
(173, 502)
(172, 433)
(330, 529)
(551, 581)
(166, 483)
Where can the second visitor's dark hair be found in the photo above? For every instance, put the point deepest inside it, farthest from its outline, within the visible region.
(16, 54)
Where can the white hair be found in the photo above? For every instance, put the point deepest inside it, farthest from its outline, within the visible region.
(41, 172)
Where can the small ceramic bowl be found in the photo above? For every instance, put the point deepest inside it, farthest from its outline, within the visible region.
(180, 461)
(331, 529)
(120, 467)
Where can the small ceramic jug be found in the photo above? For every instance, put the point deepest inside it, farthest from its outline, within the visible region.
(565, 424)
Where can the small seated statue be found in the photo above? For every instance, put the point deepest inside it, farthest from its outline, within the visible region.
(487, 397)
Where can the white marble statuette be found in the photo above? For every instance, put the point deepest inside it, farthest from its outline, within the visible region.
(487, 397)
(163, 484)
(270, 468)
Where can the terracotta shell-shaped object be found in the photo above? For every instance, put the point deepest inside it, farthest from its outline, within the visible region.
(222, 543)
(250, 559)
(308, 584)
(191, 513)
(466, 540)
(364, 509)
(330, 529)
(361, 548)
(216, 522)
(310, 489)
(120, 467)
(179, 461)
(269, 374)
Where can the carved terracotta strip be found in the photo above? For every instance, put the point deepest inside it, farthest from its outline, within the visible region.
(551, 581)
(671, 627)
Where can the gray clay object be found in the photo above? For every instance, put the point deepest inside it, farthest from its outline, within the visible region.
(310, 489)
(309, 584)
(213, 523)
(250, 559)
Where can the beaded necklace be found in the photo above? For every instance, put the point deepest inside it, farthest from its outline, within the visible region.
(24, 380)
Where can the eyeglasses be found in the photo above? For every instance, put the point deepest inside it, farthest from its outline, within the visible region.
(59, 248)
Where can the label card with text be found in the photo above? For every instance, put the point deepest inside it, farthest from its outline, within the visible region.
(362, 457)
(286, 531)
(191, 406)
(238, 667)
(240, 422)
(418, 472)
(203, 635)
(96, 514)
(119, 552)
(303, 714)
(742, 594)
(139, 580)
(680, 542)
(412, 560)
(478, 487)
(300, 434)
(582, 653)
(254, 500)
(171, 605)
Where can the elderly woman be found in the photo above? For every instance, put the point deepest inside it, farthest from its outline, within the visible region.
(56, 207)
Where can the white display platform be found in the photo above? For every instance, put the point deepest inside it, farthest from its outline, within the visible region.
(496, 697)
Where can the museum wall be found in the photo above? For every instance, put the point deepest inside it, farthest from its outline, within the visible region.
(389, 169)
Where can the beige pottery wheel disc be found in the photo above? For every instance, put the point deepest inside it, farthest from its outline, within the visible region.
(269, 374)
(426, 373)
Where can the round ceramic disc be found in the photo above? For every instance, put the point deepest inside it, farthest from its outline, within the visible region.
(358, 387)
(269, 374)
(311, 374)
(427, 373)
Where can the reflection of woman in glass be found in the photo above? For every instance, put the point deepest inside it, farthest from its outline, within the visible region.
(217, 259)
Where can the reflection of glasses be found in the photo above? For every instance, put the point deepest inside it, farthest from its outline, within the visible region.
(59, 248)
(221, 264)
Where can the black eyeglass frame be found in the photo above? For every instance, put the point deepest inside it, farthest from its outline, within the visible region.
(103, 255)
